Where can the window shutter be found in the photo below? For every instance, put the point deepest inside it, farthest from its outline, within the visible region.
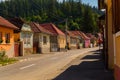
(116, 16)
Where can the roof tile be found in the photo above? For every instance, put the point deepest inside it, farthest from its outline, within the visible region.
(38, 28)
(52, 28)
(71, 34)
(6, 23)
(84, 35)
(79, 33)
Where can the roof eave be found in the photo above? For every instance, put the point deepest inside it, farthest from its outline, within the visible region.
(14, 28)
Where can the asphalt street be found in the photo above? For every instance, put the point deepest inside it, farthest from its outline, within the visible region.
(43, 67)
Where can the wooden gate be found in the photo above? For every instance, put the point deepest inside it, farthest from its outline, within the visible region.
(17, 49)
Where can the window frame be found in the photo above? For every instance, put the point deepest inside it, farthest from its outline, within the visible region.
(7, 37)
(27, 38)
(44, 40)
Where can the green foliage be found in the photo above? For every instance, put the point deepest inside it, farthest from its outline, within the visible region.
(2, 54)
(74, 25)
(83, 18)
(4, 60)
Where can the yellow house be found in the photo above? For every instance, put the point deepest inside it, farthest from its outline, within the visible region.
(58, 39)
(109, 46)
(72, 40)
(7, 37)
(109, 32)
(113, 34)
(116, 34)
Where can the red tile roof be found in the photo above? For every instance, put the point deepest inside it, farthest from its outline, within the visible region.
(90, 35)
(79, 33)
(84, 35)
(34, 27)
(6, 23)
(52, 28)
(71, 34)
(37, 28)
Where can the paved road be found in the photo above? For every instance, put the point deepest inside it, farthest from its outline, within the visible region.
(88, 66)
(45, 67)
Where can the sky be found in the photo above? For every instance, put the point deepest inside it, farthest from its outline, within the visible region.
(90, 2)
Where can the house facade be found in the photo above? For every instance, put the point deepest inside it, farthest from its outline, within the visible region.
(57, 39)
(116, 35)
(108, 32)
(81, 39)
(93, 39)
(86, 43)
(23, 36)
(72, 40)
(7, 37)
(26, 36)
(41, 39)
(112, 30)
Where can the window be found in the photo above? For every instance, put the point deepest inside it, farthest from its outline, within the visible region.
(1, 37)
(24, 38)
(27, 38)
(7, 37)
(116, 15)
(73, 41)
(44, 40)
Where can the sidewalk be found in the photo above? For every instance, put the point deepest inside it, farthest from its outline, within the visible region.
(40, 55)
(32, 56)
(88, 67)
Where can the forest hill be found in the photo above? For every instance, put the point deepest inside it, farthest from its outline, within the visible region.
(84, 17)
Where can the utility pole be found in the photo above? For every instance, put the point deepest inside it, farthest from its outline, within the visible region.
(66, 33)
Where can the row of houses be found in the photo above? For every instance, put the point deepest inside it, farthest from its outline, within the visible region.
(110, 26)
(19, 38)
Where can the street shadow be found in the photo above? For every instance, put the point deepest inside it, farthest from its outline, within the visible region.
(91, 57)
(97, 51)
(87, 70)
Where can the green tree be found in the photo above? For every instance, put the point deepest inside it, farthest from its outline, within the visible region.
(84, 17)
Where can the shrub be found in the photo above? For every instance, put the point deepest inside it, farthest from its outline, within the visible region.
(2, 54)
(4, 60)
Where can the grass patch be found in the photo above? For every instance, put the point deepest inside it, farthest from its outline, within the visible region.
(4, 60)
(7, 61)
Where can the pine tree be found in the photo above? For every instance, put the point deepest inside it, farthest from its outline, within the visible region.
(83, 18)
